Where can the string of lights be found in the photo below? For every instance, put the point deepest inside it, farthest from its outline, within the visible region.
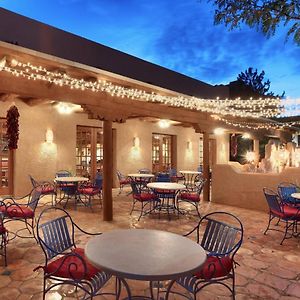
(254, 108)
(257, 126)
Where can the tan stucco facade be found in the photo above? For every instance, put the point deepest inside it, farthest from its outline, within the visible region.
(41, 160)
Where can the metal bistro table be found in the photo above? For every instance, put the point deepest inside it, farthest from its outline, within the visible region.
(190, 177)
(297, 197)
(141, 179)
(167, 192)
(143, 254)
(69, 185)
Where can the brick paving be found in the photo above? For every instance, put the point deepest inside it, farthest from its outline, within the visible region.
(267, 270)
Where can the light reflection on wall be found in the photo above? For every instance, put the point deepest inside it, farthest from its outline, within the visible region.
(48, 151)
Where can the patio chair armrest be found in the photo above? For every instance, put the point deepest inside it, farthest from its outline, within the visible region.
(85, 232)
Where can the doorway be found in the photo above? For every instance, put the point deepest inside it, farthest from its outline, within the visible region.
(163, 152)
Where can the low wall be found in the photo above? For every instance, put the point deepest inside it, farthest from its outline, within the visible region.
(232, 187)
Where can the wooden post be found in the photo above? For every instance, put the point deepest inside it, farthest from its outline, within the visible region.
(107, 171)
(206, 189)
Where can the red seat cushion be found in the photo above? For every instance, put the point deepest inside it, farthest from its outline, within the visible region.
(15, 211)
(194, 197)
(72, 267)
(90, 191)
(145, 197)
(215, 267)
(46, 190)
(288, 212)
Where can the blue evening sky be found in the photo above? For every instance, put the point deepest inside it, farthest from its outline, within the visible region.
(179, 35)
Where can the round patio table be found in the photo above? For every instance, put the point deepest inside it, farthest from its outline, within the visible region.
(296, 196)
(189, 177)
(141, 179)
(69, 185)
(143, 254)
(167, 191)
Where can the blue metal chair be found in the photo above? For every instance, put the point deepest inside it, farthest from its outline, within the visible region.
(66, 190)
(192, 196)
(65, 263)
(163, 177)
(144, 197)
(282, 211)
(222, 238)
(174, 177)
(91, 191)
(15, 210)
(123, 181)
(46, 187)
(285, 190)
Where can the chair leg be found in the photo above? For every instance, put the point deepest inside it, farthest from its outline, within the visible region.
(270, 219)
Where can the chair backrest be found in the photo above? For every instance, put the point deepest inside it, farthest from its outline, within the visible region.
(199, 185)
(223, 233)
(136, 190)
(273, 200)
(144, 171)
(34, 198)
(285, 189)
(57, 235)
(163, 177)
(33, 181)
(98, 182)
(63, 173)
(120, 175)
(172, 172)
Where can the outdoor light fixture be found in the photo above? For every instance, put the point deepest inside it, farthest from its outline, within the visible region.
(164, 123)
(246, 136)
(66, 108)
(2, 63)
(49, 136)
(189, 145)
(250, 156)
(219, 131)
(136, 142)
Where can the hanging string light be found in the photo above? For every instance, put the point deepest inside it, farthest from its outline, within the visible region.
(254, 108)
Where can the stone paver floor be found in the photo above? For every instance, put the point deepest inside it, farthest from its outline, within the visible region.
(267, 270)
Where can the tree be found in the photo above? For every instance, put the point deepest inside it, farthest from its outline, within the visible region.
(265, 15)
(251, 84)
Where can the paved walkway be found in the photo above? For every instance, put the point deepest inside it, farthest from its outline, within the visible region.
(267, 270)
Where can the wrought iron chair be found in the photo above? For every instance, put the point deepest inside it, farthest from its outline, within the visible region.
(222, 238)
(144, 197)
(174, 177)
(65, 188)
(163, 177)
(91, 191)
(46, 187)
(65, 263)
(285, 190)
(123, 181)
(3, 237)
(192, 197)
(16, 210)
(282, 212)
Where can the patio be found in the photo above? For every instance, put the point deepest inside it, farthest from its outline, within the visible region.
(267, 270)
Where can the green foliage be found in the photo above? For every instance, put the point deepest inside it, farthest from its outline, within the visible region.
(255, 81)
(265, 15)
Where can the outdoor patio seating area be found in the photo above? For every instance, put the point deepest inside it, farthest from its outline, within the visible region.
(266, 270)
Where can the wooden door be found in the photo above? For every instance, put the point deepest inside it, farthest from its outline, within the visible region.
(5, 184)
(162, 152)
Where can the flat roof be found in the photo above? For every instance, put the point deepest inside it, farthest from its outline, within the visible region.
(28, 33)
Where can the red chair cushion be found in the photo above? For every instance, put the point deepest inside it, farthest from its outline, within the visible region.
(72, 267)
(145, 197)
(193, 197)
(90, 191)
(288, 212)
(215, 267)
(15, 211)
(46, 190)
(125, 181)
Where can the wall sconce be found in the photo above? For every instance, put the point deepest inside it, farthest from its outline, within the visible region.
(189, 145)
(49, 136)
(164, 123)
(219, 131)
(246, 136)
(136, 142)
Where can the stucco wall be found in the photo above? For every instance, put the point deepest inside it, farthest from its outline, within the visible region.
(36, 157)
(233, 187)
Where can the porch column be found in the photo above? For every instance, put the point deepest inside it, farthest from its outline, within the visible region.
(256, 149)
(206, 189)
(107, 171)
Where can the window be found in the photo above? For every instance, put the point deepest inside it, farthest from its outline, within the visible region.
(89, 150)
(162, 158)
